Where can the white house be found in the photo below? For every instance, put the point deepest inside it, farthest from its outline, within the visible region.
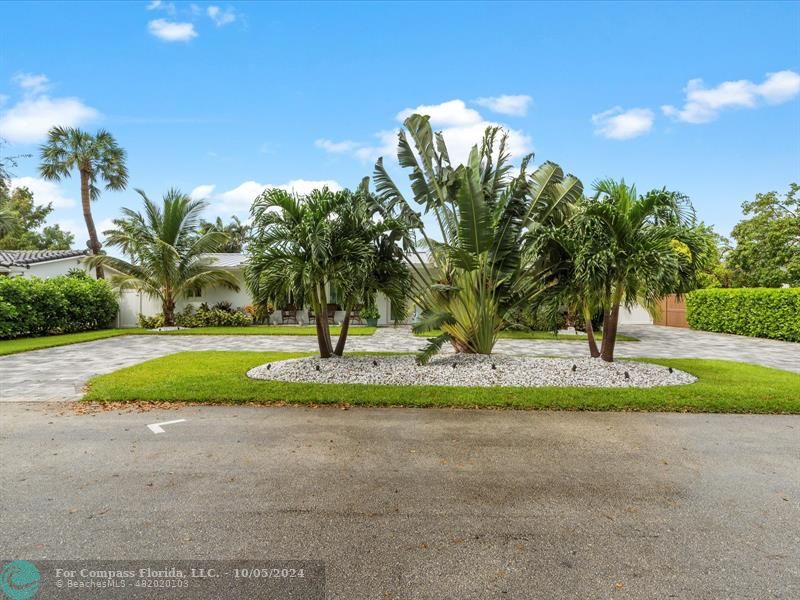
(40, 263)
(132, 304)
(50, 263)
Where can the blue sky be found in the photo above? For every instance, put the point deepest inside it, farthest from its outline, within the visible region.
(703, 98)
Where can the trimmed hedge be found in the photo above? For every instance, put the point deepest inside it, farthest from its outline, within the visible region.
(64, 304)
(757, 312)
(203, 317)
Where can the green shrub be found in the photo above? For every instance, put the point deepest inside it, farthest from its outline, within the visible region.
(153, 322)
(202, 317)
(370, 312)
(757, 312)
(221, 318)
(64, 304)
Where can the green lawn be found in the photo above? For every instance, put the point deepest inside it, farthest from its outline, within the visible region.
(514, 334)
(219, 377)
(50, 341)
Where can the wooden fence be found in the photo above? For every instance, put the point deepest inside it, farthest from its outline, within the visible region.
(672, 312)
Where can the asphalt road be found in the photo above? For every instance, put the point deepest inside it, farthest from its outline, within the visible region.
(403, 503)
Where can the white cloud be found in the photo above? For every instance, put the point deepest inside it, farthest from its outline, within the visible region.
(507, 104)
(384, 146)
(104, 225)
(780, 87)
(30, 83)
(201, 192)
(77, 227)
(462, 128)
(171, 31)
(219, 16)
(169, 7)
(336, 147)
(619, 124)
(240, 198)
(460, 140)
(704, 104)
(29, 120)
(44, 192)
(445, 114)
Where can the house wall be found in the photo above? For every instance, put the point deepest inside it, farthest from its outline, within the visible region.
(132, 304)
(636, 316)
(53, 268)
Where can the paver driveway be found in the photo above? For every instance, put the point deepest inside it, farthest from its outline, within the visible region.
(60, 373)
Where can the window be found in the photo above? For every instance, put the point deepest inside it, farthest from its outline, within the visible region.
(196, 292)
(335, 296)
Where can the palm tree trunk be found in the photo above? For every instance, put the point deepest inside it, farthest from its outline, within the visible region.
(343, 332)
(168, 309)
(594, 352)
(326, 326)
(610, 333)
(323, 329)
(94, 242)
(324, 351)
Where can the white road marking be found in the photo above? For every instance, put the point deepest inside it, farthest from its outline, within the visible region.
(156, 427)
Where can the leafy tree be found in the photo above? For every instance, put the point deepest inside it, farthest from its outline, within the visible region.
(97, 158)
(714, 272)
(483, 265)
(21, 219)
(634, 250)
(22, 224)
(303, 245)
(7, 222)
(6, 164)
(767, 251)
(168, 255)
(237, 232)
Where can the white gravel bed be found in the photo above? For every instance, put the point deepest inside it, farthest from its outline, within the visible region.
(472, 370)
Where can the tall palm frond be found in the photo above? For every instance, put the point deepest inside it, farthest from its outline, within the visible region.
(169, 259)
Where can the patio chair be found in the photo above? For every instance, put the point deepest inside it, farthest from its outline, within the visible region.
(289, 314)
(332, 308)
(355, 315)
(330, 313)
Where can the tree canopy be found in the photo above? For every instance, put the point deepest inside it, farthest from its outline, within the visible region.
(23, 223)
(237, 233)
(767, 250)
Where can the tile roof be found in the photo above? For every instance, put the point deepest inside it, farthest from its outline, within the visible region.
(24, 258)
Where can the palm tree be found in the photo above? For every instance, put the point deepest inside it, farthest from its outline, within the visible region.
(169, 257)
(300, 248)
(98, 159)
(362, 231)
(237, 232)
(484, 263)
(634, 250)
